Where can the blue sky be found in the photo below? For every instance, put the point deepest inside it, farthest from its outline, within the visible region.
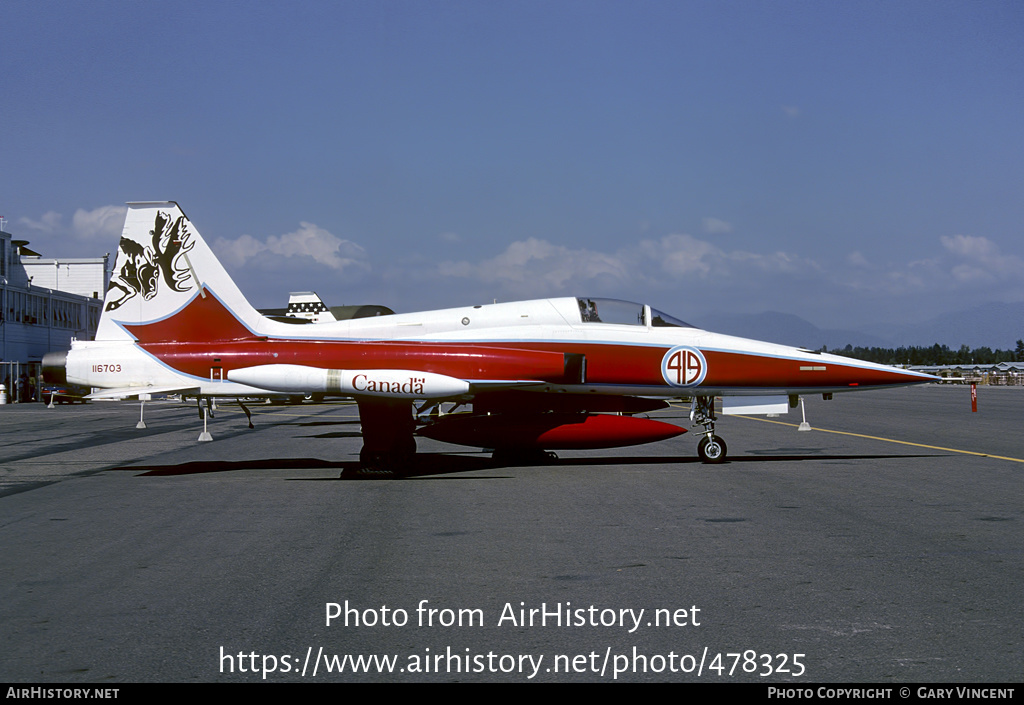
(842, 161)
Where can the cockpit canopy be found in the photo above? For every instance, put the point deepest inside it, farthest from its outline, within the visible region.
(625, 313)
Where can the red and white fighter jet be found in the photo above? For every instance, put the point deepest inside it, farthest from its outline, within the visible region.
(531, 376)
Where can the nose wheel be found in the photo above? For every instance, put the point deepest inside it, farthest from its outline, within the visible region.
(712, 450)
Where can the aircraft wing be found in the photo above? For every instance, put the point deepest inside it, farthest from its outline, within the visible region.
(126, 392)
(480, 386)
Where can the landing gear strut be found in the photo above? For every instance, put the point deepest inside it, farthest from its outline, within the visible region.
(711, 448)
(388, 443)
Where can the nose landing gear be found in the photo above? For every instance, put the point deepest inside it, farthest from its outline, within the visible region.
(711, 449)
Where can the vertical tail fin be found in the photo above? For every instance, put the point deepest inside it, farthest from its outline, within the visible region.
(163, 263)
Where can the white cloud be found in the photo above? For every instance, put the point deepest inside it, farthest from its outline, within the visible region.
(963, 263)
(792, 111)
(714, 226)
(50, 222)
(857, 259)
(104, 223)
(970, 246)
(681, 254)
(980, 259)
(537, 267)
(309, 240)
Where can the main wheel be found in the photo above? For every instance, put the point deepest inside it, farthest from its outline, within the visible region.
(388, 442)
(712, 450)
(390, 462)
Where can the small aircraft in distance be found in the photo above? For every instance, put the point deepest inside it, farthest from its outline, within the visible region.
(307, 307)
(532, 376)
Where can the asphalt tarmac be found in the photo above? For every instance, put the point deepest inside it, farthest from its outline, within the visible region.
(883, 546)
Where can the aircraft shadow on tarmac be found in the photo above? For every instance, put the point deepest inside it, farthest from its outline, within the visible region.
(431, 464)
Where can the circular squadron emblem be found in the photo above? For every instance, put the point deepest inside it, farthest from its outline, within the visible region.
(683, 366)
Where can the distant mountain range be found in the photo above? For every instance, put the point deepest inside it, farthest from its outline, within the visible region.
(996, 325)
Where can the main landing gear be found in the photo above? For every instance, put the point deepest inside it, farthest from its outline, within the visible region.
(711, 448)
(389, 443)
(389, 447)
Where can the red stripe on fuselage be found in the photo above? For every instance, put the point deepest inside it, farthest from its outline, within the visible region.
(205, 334)
(460, 361)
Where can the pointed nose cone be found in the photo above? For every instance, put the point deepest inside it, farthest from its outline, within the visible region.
(857, 373)
(907, 377)
(919, 377)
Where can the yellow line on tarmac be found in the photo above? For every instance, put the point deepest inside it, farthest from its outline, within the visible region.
(887, 440)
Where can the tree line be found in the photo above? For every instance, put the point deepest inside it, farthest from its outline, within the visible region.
(934, 355)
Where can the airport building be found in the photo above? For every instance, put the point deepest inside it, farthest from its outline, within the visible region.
(1000, 374)
(44, 303)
